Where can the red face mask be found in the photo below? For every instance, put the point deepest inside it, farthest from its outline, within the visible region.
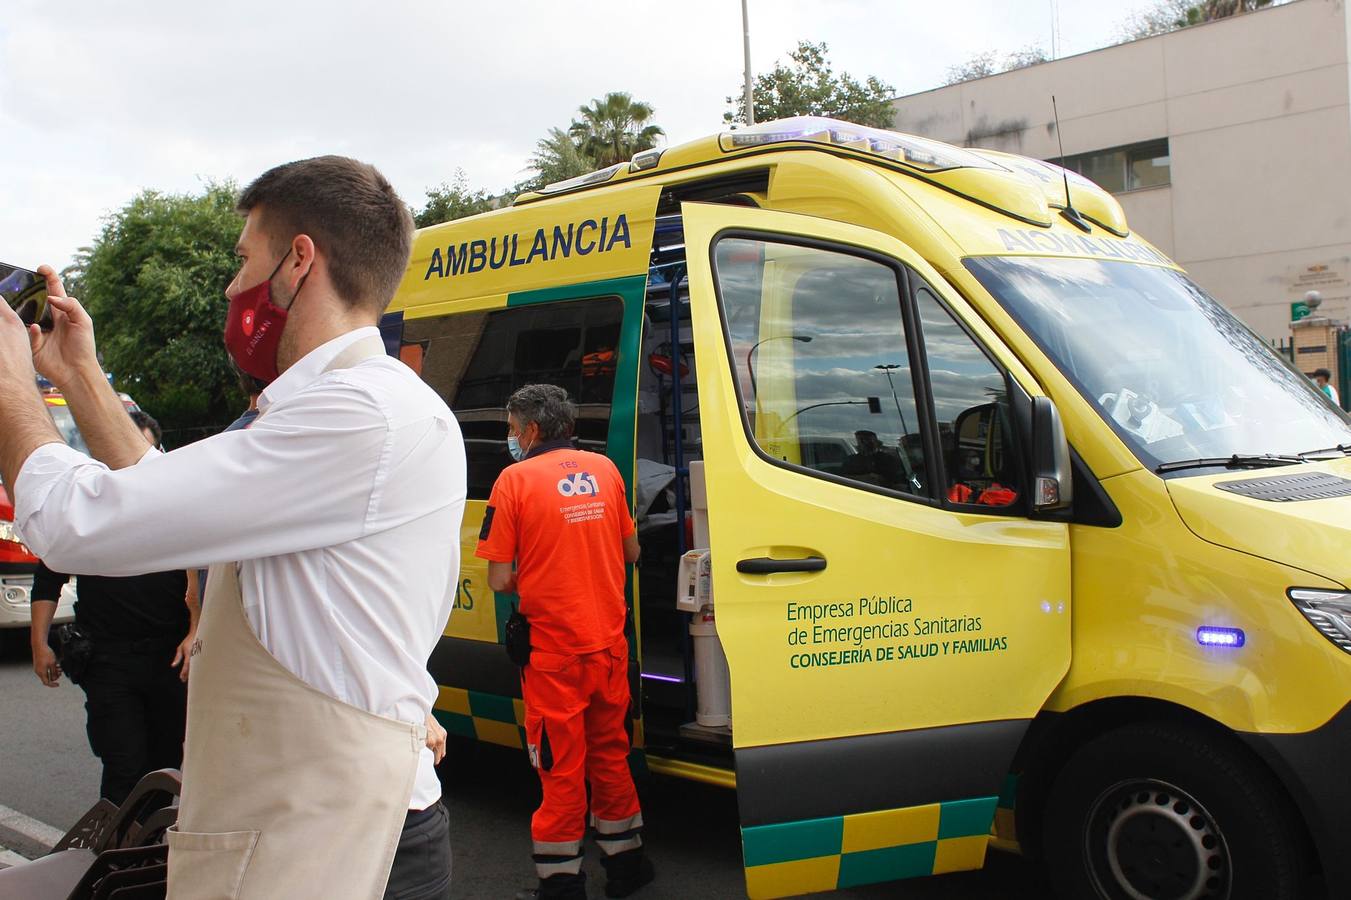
(253, 328)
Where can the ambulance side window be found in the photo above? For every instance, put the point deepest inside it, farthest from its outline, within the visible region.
(818, 343)
(475, 360)
(971, 409)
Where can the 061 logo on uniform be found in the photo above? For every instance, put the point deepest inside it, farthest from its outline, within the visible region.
(582, 484)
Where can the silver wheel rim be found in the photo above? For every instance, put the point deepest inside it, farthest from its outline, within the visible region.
(1154, 841)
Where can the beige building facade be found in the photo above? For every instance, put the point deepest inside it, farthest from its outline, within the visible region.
(1228, 144)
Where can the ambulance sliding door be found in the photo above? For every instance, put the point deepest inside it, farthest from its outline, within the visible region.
(892, 618)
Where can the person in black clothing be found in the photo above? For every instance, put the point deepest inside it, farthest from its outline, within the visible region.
(141, 631)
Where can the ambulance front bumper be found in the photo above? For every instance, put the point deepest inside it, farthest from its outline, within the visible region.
(16, 611)
(1308, 765)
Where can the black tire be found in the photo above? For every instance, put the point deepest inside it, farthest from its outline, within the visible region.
(1169, 811)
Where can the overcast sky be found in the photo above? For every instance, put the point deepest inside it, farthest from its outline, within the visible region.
(99, 100)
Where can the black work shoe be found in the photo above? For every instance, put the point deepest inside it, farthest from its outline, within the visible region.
(557, 887)
(627, 872)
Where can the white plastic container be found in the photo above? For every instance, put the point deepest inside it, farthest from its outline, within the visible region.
(712, 681)
(713, 685)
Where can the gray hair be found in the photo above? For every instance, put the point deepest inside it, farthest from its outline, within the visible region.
(546, 405)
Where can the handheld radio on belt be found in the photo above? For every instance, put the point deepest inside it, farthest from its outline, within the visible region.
(516, 637)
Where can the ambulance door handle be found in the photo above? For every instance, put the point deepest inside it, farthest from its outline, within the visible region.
(764, 565)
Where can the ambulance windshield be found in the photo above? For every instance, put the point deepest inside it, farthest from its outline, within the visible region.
(1174, 373)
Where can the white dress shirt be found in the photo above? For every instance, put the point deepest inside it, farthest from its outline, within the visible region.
(342, 503)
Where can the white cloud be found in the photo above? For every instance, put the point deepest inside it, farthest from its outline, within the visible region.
(100, 100)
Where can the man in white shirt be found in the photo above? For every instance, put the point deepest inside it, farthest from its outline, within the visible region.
(332, 524)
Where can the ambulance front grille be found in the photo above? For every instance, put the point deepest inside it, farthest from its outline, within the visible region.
(1290, 488)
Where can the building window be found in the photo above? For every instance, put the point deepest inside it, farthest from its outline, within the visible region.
(1127, 168)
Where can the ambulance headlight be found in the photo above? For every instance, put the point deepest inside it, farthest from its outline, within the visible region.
(1328, 611)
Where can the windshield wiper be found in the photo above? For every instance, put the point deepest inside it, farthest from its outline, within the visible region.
(1327, 452)
(1237, 461)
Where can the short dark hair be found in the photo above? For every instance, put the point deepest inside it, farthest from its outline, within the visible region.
(1324, 372)
(352, 214)
(146, 422)
(546, 405)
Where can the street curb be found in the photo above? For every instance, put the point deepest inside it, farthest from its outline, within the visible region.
(25, 834)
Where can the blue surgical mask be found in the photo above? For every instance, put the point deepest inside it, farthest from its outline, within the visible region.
(514, 448)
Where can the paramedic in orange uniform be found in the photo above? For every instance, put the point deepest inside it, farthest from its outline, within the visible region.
(562, 516)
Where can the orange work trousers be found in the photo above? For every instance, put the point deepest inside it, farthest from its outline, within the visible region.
(575, 708)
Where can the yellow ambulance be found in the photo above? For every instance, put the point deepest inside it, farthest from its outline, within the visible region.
(968, 519)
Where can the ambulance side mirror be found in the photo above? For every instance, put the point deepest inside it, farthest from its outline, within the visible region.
(1051, 480)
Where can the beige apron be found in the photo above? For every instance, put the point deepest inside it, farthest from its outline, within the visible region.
(287, 792)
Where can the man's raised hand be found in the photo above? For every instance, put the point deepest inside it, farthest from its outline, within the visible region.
(60, 354)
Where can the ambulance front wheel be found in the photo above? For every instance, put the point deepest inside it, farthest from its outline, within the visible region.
(1170, 812)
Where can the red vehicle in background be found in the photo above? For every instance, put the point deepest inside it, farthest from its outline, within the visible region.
(17, 564)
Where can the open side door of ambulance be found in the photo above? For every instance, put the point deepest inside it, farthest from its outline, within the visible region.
(893, 616)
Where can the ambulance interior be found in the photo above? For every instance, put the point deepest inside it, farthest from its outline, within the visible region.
(686, 698)
(669, 451)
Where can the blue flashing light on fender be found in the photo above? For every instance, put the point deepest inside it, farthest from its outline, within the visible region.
(1214, 636)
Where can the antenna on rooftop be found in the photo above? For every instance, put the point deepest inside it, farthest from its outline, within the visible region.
(746, 32)
(1055, 30)
(1069, 212)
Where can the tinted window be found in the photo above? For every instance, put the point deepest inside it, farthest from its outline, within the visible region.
(819, 350)
(971, 406)
(475, 360)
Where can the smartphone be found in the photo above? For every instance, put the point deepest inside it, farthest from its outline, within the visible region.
(26, 293)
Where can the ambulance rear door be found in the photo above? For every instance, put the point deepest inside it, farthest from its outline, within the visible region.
(893, 616)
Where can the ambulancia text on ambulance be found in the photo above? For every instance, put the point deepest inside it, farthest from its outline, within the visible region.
(967, 518)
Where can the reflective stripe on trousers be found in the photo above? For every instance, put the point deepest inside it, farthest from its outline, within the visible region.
(617, 835)
(557, 858)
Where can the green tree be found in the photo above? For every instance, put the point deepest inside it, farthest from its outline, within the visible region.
(72, 276)
(613, 128)
(154, 281)
(992, 63)
(453, 200)
(808, 86)
(1170, 15)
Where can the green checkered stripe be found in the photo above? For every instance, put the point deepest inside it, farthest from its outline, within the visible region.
(1004, 818)
(865, 848)
(482, 717)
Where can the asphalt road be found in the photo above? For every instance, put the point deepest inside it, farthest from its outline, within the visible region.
(47, 772)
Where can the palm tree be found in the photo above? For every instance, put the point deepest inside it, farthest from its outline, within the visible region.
(557, 157)
(613, 128)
